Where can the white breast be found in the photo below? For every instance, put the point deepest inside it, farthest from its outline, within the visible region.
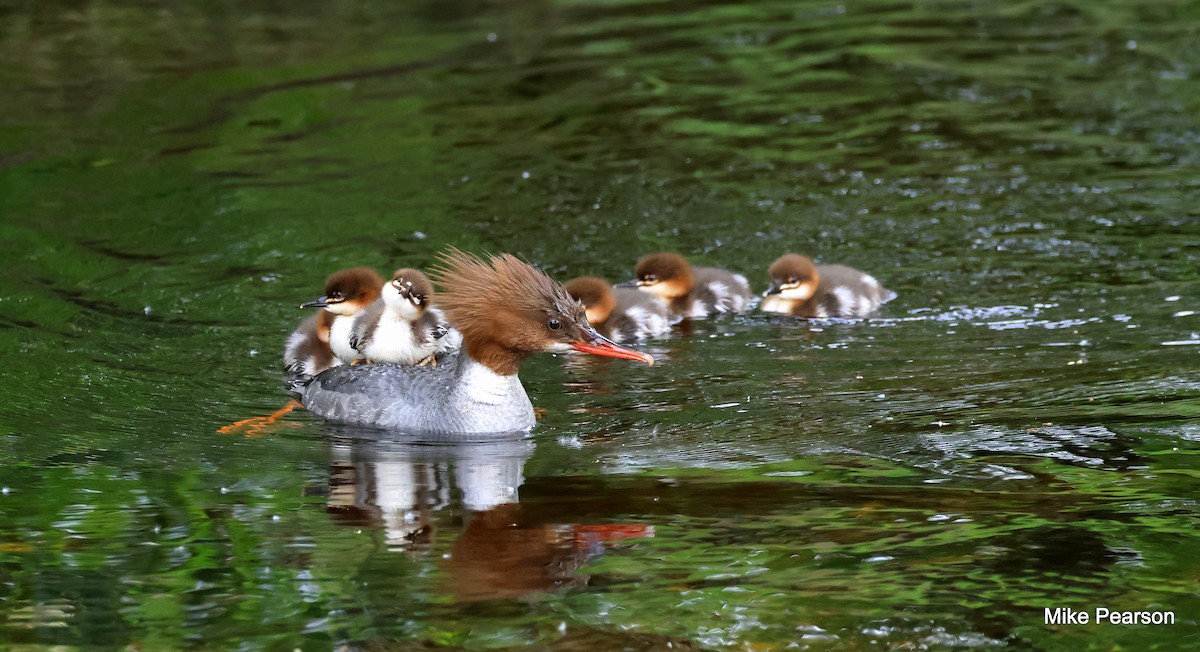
(339, 339)
(776, 303)
(394, 341)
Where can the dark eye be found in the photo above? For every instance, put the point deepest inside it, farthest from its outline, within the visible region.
(337, 295)
(650, 278)
(554, 324)
(793, 279)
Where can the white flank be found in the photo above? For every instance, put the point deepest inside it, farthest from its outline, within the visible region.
(295, 341)
(847, 301)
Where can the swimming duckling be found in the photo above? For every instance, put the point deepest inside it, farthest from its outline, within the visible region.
(692, 292)
(620, 314)
(802, 289)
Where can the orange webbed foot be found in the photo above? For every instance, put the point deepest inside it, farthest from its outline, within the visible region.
(258, 426)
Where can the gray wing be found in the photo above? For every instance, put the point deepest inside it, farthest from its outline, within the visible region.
(848, 292)
(384, 395)
(724, 290)
(637, 316)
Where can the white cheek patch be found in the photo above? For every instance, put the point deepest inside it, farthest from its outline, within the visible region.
(802, 292)
(558, 347)
(658, 290)
(343, 308)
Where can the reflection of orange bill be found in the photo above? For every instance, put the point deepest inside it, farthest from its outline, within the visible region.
(612, 532)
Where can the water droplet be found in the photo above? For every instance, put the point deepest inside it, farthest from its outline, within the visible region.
(146, 310)
(491, 37)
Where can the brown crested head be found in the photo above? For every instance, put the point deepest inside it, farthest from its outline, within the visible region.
(507, 310)
(413, 285)
(664, 274)
(793, 276)
(348, 291)
(595, 294)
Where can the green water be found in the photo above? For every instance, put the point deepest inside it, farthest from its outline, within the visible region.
(1014, 433)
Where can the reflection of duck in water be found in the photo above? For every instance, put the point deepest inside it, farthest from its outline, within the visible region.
(506, 311)
(502, 552)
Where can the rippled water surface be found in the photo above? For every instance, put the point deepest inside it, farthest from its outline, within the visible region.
(1015, 432)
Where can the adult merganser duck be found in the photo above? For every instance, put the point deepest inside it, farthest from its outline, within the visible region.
(620, 314)
(506, 311)
(307, 351)
(692, 292)
(801, 289)
(346, 294)
(400, 327)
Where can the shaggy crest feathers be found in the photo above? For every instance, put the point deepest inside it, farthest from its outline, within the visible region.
(469, 285)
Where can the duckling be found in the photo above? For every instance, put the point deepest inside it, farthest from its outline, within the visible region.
(620, 314)
(692, 292)
(307, 351)
(802, 289)
(346, 294)
(400, 327)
